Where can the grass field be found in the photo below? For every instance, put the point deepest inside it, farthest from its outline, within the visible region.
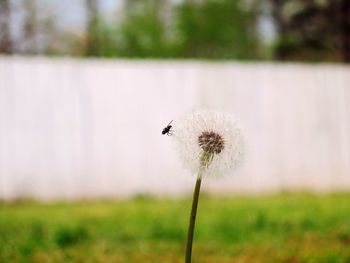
(280, 228)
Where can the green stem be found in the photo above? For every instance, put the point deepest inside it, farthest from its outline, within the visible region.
(193, 219)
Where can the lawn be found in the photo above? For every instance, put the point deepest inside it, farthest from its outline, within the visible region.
(279, 228)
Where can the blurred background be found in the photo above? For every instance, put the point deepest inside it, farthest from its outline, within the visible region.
(289, 30)
(87, 86)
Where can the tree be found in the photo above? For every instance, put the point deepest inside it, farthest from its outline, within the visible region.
(143, 29)
(92, 28)
(30, 43)
(216, 29)
(344, 21)
(6, 45)
(312, 30)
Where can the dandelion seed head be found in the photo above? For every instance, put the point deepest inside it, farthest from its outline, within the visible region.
(210, 142)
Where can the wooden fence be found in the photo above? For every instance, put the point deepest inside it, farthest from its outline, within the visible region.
(92, 128)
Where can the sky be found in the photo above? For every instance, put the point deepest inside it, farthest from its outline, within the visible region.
(75, 13)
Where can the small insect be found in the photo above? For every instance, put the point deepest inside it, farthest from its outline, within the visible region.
(167, 130)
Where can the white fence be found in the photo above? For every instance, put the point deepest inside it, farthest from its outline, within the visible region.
(88, 128)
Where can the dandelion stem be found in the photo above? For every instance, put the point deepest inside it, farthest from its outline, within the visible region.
(193, 219)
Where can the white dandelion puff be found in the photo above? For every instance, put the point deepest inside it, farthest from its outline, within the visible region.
(210, 143)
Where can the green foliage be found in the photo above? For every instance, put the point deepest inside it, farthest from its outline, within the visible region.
(107, 40)
(216, 29)
(68, 236)
(281, 228)
(142, 30)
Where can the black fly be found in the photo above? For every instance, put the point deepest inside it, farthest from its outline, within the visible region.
(167, 130)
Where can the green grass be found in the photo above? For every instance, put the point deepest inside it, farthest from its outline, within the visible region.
(281, 228)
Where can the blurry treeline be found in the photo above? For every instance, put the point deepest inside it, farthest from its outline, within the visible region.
(303, 30)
